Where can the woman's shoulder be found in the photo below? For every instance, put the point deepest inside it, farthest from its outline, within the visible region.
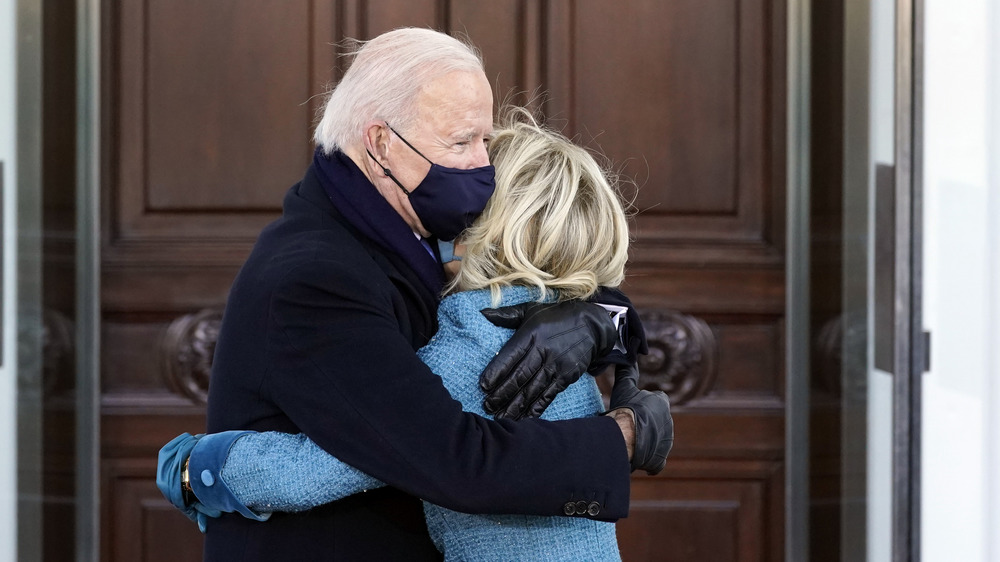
(459, 313)
(483, 298)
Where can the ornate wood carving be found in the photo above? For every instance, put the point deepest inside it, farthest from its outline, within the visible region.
(681, 359)
(682, 355)
(188, 348)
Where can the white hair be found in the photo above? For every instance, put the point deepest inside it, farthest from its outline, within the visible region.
(384, 80)
(555, 222)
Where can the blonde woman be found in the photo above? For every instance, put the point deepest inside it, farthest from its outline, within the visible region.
(554, 230)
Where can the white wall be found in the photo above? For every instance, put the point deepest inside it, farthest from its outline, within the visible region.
(993, 256)
(961, 414)
(8, 387)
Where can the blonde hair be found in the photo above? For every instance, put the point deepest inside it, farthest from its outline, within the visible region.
(384, 80)
(555, 221)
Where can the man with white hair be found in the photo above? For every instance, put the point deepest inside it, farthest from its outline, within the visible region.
(322, 323)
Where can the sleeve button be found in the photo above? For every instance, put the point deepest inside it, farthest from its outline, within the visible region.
(569, 508)
(581, 507)
(593, 509)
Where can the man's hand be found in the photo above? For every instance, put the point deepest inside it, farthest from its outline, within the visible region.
(653, 425)
(626, 422)
(553, 346)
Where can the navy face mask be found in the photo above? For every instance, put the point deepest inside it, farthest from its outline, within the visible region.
(448, 200)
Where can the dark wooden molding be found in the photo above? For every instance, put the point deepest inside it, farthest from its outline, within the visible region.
(682, 359)
(187, 351)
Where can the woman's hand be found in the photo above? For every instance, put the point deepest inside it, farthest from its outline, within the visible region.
(553, 346)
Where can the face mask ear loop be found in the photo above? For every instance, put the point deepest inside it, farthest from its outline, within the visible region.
(413, 148)
(388, 172)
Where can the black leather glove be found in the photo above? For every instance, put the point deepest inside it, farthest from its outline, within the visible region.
(654, 427)
(632, 334)
(554, 344)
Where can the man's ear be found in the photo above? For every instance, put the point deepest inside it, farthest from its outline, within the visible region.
(376, 139)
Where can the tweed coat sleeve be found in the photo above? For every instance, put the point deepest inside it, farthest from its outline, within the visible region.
(274, 471)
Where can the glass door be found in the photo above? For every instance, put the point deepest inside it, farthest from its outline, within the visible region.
(56, 306)
(856, 350)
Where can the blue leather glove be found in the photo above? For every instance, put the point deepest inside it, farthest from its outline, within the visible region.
(169, 463)
(207, 454)
(207, 460)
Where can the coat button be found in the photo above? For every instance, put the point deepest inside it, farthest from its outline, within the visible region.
(581, 507)
(569, 508)
(593, 509)
(207, 478)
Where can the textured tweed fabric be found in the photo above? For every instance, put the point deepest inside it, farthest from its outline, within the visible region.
(461, 349)
(464, 344)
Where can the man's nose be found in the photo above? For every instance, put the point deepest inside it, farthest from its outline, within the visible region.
(480, 156)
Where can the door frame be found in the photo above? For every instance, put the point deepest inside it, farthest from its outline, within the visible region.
(797, 294)
(88, 279)
(910, 345)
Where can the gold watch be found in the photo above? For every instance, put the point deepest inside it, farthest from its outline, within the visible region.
(186, 490)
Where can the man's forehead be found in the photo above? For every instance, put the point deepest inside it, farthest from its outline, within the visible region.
(467, 133)
(462, 98)
(455, 128)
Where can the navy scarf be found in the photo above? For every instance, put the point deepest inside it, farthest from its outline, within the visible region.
(366, 210)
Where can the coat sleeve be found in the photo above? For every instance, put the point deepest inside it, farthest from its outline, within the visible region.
(274, 471)
(342, 371)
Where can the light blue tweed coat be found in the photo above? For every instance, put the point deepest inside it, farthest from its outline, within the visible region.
(281, 472)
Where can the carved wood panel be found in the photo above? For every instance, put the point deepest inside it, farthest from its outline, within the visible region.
(202, 149)
(698, 511)
(138, 510)
(683, 96)
(208, 110)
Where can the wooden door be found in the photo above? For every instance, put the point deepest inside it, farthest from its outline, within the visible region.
(208, 108)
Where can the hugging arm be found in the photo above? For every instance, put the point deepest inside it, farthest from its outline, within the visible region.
(341, 371)
(255, 474)
(273, 471)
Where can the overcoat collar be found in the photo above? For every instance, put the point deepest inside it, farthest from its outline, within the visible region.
(365, 209)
